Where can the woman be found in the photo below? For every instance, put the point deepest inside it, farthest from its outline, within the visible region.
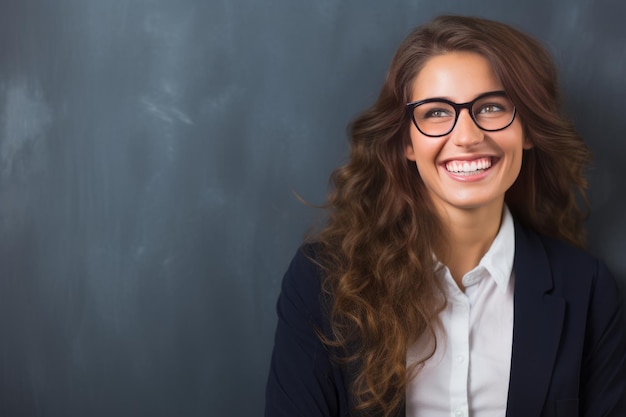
(449, 279)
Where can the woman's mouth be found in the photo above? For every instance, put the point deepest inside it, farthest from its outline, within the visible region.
(467, 168)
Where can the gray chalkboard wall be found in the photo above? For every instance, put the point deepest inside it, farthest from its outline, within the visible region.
(149, 150)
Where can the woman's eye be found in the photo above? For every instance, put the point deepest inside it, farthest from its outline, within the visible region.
(434, 113)
(490, 108)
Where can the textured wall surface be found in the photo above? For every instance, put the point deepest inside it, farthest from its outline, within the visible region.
(149, 150)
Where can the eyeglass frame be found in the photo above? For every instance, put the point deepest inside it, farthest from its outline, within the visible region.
(410, 107)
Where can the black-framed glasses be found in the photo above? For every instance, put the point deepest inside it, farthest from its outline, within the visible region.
(437, 117)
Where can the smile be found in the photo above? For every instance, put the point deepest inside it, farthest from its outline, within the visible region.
(467, 168)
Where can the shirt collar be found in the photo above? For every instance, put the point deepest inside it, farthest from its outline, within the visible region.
(498, 260)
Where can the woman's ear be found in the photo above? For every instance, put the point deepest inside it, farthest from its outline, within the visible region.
(409, 152)
(527, 144)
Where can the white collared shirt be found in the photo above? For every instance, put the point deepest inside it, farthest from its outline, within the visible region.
(468, 375)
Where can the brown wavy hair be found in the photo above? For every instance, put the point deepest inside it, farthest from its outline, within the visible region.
(376, 248)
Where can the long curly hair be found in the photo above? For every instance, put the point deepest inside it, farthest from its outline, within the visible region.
(376, 249)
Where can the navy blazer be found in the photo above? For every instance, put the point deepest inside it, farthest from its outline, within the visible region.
(569, 339)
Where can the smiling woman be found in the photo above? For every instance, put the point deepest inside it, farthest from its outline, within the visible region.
(450, 278)
(448, 164)
(472, 160)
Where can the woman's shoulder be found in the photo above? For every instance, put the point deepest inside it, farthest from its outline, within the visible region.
(571, 269)
(302, 282)
(557, 251)
(305, 267)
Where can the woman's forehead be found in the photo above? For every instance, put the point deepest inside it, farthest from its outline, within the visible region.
(456, 76)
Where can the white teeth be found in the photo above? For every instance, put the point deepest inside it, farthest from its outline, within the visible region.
(465, 167)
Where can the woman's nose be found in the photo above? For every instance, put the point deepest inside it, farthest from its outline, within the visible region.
(466, 132)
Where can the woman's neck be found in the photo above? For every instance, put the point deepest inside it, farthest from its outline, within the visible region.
(468, 235)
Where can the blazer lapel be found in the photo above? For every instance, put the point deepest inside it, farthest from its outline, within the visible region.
(537, 325)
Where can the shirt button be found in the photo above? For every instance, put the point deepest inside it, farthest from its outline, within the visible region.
(460, 359)
(458, 413)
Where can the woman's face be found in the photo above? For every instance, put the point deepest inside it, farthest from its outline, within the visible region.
(446, 163)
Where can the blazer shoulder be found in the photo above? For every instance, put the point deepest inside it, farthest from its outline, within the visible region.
(577, 273)
(304, 269)
(559, 266)
(558, 253)
(564, 252)
(302, 282)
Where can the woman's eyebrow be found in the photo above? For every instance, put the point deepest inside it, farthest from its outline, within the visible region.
(450, 99)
